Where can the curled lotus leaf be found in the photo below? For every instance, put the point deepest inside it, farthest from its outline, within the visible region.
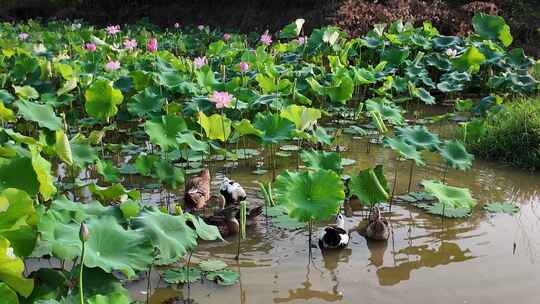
(453, 197)
(455, 154)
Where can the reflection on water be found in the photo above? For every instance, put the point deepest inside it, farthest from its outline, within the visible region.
(416, 257)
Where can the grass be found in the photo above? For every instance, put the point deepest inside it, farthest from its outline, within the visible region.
(512, 135)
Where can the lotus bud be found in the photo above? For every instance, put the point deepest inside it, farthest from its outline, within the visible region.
(83, 232)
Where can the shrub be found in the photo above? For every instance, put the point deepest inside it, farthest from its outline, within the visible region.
(511, 135)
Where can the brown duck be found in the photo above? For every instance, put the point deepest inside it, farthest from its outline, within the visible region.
(197, 191)
(227, 219)
(377, 228)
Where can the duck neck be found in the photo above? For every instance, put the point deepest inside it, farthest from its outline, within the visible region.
(233, 225)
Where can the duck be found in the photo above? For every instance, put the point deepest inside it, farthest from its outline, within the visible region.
(197, 191)
(228, 219)
(335, 236)
(377, 228)
(232, 191)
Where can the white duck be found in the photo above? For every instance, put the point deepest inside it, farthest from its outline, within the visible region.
(335, 237)
(232, 192)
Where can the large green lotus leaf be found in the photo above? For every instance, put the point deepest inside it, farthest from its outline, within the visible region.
(454, 197)
(274, 127)
(182, 275)
(107, 169)
(49, 284)
(111, 247)
(42, 168)
(60, 238)
(446, 211)
(114, 192)
(492, 27)
(130, 209)
(450, 86)
(26, 92)
(341, 89)
(309, 195)
(63, 147)
(501, 207)
(302, 117)
(43, 115)
(112, 298)
(194, 144)
(18, 173)
(395, 56)
(19, 138)
(470, 59)
(455, 154)
(163, 130)
(446, 42)
(420, 137)
(205, 78)
(170, 235)
(12, 268)
(317, 160)
(169, 174)
(404, 149)
(224, 277)
(67, 210)
(145, 164)
(7, 294)
(18, 220)
(146, 102)
(388, 111)
(102, 100)
(83, 154)
(203, 230)
(215, 126)
(423, 95)
(244, 127)
(6, 114)
(212, 265)
(370, 186)
(293, 29)
(320, 135)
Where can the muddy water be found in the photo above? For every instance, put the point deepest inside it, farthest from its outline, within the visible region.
(482, 259)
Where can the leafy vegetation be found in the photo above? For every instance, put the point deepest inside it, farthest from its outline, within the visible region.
(85, 110)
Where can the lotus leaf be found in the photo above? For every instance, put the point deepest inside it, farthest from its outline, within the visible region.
(309, 195)
(224, 277)
(322, 160)
(274, 127)
(169, 174)
(8, 295)
(63, 147)
(18, 220)
(169, 234)
(501, 207)
(404, 149)
(109, 172)
(182, 275)
(163, 130)
(11, 270)
(420, 137)
(302, 117)
(446, 211)
(26, 92)
(43, 115)
(470, 59)
(370, 186)
(147, 102)
(102, 100)
(456, 156)
(492, 27)
(42, 168)
(215, 126)
(111, 247)
(453, 197)
(212, 265)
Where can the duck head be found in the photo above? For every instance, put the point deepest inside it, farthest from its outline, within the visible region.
(375, 214)
(340, 221)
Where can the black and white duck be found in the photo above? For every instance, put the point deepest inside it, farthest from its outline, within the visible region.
(335, 236)
(232, 191)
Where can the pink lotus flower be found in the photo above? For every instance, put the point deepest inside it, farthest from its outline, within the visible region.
(266, 39)
(244, 66)
(226, 36)
(113, 29)
(112, 65)
(200, 27)
(221, 99)
(90, 47)
(23, 36)
(177, 25)
(130, 44)
(199, 62)
(302, 40)
(151, 46)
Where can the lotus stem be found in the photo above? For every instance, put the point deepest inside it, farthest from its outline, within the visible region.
(410, 176)
(81, 292)
(149, 283)
(394, 186)
(188, 281)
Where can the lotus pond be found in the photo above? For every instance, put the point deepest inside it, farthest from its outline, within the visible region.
(102, 129)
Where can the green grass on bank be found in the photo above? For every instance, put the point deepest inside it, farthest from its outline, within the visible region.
(512, 135)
